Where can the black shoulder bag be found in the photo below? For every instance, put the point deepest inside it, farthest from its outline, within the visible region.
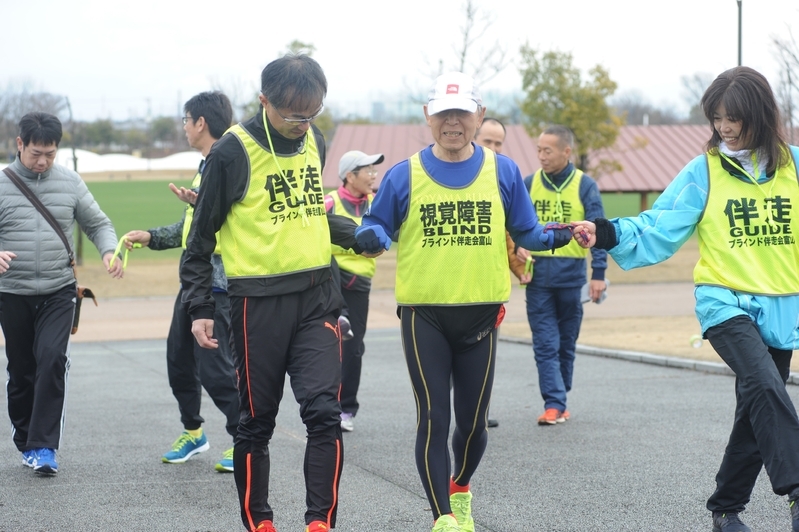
(82, 290)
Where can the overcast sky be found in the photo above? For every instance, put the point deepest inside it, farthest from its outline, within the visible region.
(121, 59)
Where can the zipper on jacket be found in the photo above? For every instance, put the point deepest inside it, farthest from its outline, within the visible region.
(39, 220)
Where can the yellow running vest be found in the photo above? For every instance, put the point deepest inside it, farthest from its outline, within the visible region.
(571, 209)
(280, 226)
(452, 248)
(346, 258)
(190, 216)
(738, 247)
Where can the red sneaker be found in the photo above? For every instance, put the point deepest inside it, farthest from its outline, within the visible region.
(317, 526)
(564, 416)
(549, 417)
(265, 526)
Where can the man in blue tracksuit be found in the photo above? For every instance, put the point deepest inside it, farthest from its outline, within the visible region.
(560, 193)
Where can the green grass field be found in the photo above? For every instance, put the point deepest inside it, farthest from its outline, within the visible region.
(137, 205)
(146, 204)
(618, 205)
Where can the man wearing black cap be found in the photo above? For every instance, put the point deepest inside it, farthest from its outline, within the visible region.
(356, 170)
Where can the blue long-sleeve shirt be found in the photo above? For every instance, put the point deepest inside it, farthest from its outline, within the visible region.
(390, 206)
(561, 272)
(656, 234)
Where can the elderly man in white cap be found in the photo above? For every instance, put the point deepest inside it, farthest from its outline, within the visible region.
(357, 172)
(452, 202)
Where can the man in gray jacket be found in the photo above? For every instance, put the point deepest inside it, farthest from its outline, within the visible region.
(37, 285)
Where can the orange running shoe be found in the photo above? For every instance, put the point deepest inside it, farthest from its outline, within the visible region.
(564, 416)
(549, 417)
(265, 526)
(317, 526)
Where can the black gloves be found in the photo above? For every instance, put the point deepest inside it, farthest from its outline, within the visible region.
(605, 234)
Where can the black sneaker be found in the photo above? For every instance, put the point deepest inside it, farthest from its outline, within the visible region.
(492, 423)
(729, 522)
(795, 515)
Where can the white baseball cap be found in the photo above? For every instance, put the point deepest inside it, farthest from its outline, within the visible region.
(354, 159)
(453, 90)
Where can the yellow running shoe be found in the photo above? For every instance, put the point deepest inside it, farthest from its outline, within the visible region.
(446, 523)
(461, 504)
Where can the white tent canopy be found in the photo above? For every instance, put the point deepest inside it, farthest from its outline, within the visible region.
(90, 162)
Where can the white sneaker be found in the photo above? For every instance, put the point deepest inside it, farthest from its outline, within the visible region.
(347, 423)
(345, 327)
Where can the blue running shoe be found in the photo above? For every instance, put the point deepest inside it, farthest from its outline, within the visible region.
(225, 465)
(185, 447)
(28, 457)
(44, 462)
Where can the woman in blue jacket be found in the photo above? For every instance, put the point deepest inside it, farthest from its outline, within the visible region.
(739, 198)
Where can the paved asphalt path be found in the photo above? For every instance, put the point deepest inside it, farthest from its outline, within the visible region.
(639, 454)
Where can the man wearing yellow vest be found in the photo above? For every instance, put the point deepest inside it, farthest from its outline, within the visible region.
(352, 199)
(190, 367)
(451, 203)
(262, 192)
(560, 193)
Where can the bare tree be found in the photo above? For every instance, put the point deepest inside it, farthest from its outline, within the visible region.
(694, 88)
(243, 95)
(482, 62)
(638, 111)
(787, 54)
(18, 99)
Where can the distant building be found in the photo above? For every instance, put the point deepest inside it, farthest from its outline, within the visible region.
(649, 156)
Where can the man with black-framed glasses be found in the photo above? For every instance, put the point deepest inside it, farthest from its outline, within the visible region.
(191, 368)
(262, 192)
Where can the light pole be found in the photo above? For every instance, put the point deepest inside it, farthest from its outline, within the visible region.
(79, 235)
(739, 32)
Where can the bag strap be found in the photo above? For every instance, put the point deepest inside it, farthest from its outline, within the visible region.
(28, 193)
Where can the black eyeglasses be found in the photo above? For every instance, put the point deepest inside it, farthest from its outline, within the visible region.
(186, 120)
(300, 120)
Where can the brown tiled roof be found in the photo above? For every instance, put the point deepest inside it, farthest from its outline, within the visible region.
(395, 142)
(650, 156)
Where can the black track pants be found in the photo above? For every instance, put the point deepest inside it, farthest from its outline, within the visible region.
(353, 349)
(766, 429)
(295, 334)
(191, 368)
(37, 331)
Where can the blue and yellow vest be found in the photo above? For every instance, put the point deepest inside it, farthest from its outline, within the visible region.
(562, 208)
(280, 226)
(747, 233)
(452, 248)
